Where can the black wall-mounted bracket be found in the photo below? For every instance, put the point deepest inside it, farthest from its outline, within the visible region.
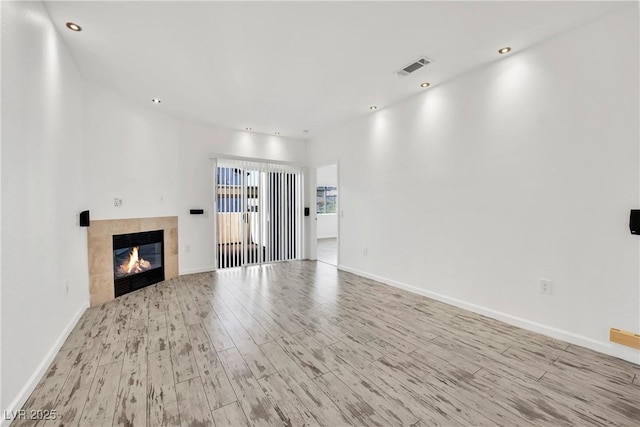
(634, 221)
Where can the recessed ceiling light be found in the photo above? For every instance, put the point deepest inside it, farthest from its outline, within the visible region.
(156, 101)
(373, 107)
(425, 84)
(74, 27)
(504, 50)
(277, 133)
(247, 128)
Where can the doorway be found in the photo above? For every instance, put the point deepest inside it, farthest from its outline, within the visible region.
(327, 214)
(258, 213)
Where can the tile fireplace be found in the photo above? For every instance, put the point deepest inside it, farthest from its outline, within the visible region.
(129, 254)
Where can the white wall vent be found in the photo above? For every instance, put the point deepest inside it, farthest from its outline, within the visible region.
(414, 66)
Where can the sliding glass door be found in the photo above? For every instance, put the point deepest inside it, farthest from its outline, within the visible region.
(258, 213)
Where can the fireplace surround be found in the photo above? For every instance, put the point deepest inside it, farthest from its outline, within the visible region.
(100, 244)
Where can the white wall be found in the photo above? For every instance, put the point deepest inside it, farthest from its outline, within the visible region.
(42, 191)
(327, 226)
(160, 165)
(327, 175)
(523, 169)
(327, 223)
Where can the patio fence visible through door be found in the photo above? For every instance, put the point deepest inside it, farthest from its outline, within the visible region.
(258, 212)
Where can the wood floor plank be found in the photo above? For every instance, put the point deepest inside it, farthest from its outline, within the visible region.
(183, 361)
(384, 329)
(537, 406)
(305, 359)
(139, 326)
(46, 393)
(410, 377)
(488, 359)
(619, 408)
(357, 355)
(318, 403)
(116, 341)
(218, 304)
(162, 402)
(335, 313)
(609, 374)
(322, 337)
(432, 411)
(393, 411)
(515, 337)
(351, 404)
(313, 321)
(157, 332)
(189, 312)
(291, 410)
(156, 302)
(256, 360)
(230, 416)
(74, 392)
(131, 404)
(217, 387)
(320, 351)
(385, 347)
(192, 404)
(430, 360)
(283, 362)
(277, 313)
(101, 401)
(255, 404)
(82, 330)
(601, 361)
(171, 298)
(252, 326)
(102, 324)
(219, 336)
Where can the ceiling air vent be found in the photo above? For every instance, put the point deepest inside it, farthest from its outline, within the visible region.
(415, 65)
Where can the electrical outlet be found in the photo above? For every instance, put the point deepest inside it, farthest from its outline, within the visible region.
(117, 202)
(546, 287)
(187, 248)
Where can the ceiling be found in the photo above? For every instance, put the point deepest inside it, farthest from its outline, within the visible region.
(290, 66)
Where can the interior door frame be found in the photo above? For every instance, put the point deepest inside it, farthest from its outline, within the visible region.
(313, 244)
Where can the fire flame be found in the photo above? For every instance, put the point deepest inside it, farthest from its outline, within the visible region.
(135, 264)
(133, 260)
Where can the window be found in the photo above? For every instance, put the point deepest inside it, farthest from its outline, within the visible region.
(229, 190)
(326, 199)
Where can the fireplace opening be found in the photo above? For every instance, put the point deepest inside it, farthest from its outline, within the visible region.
(137, 260)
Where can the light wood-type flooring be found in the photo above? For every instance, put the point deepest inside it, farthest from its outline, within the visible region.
(301, 344)
(328, 250)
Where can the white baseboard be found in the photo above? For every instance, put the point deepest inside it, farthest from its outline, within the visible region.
(186, 271)
(605, 347)
(35, 378)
